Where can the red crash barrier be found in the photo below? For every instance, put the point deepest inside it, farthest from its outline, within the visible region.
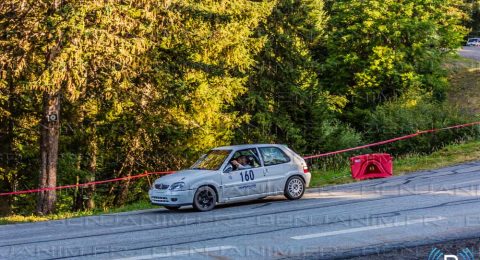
(370, 166)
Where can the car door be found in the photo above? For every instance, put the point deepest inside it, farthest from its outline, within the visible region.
(277, 166)
(246, 181)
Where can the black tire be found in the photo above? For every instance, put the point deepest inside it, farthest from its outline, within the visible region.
(294, 188)
(172, 207)
(205, 199)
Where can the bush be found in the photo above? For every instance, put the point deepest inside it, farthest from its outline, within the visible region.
(414, 112)
(333, 135)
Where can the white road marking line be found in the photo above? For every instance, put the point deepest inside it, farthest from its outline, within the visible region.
(180, 253)
(465, 182)
(360, 229)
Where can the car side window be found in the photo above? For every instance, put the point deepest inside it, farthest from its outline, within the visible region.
(245, 159)
(273, 156)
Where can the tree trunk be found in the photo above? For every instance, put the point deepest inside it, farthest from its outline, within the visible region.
(9, 158)
(5, 206)
(5, 201)
(92, 168)
(122, 194)
(50, 128)
(50, 133)
(78, 197)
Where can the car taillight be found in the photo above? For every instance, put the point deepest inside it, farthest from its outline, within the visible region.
(305, 169)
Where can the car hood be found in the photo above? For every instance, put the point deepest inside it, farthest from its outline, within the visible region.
(182, 176)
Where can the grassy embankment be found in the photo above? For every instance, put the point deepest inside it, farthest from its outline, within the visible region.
(464, 77)
(449, 155)
(465, 93)
(64, 215)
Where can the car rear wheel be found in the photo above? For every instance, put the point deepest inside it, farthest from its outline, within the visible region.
(294, 188)
(172, 207)
(205, 199)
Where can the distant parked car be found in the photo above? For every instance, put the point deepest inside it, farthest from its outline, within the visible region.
(234, 173)
(473, 42)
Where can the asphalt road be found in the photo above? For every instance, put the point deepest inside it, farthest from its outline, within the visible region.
(337, 221)
(470, 52)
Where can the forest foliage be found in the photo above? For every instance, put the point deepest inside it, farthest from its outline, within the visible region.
(151, 85)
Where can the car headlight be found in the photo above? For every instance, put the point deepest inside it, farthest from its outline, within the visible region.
(177, 186)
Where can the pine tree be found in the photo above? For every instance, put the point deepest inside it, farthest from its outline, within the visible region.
(284, 97)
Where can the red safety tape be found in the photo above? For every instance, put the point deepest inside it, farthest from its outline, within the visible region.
(83, 184)
(391, 140)
(306, 158)
(361, 147)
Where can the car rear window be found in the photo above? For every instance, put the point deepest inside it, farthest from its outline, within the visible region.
(273, 156)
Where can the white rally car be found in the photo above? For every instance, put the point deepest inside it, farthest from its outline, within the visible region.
(234, 173)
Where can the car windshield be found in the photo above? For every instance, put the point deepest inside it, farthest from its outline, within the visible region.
(213, 160)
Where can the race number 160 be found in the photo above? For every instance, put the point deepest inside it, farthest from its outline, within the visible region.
(247, 176)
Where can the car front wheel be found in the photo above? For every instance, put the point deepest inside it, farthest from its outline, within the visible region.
(294, 188)
(205, 199)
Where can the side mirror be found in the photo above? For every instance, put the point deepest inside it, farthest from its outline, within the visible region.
(228, 169)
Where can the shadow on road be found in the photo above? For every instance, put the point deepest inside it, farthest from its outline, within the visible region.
(259, 203)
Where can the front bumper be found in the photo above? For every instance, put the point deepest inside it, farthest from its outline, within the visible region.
(171, 198)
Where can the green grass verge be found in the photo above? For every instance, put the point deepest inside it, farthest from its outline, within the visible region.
(464, 77)
(447, 156)
(13, 219)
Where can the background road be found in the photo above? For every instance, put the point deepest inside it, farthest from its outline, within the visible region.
(470, 52)
(338, 221)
